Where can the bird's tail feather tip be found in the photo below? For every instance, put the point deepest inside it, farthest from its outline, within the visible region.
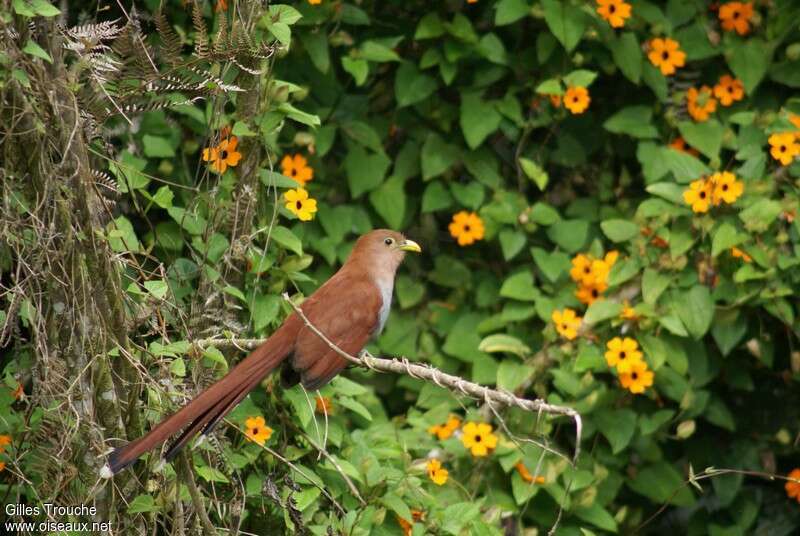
(106, 472)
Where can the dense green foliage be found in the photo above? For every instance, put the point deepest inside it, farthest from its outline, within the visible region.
(408, 113)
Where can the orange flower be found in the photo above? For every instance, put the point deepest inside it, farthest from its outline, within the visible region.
(526, 475)
(444, 431)
(577, 99)
(637, 379)
(2, 466)
(223, 155)
(323, 405)
(793, 487)
(19, 392)
(784, 147)
(666, 54)
(614, 11)
(407, 526)
(699, 195)
(622, 354)
(466, 227)
(795, 120)
(296, 167)
(628, 312)
(737, 253)
(299, 204)
(567, 323)
(5, 440)
(735, 16)
(315, 2)
(589, 293)
(221, 5)
(729, 90)
(555, 100)
(478, 438)
(726, 187)
(437, 473)
(679, 144)
(256, 430)
(700, 103)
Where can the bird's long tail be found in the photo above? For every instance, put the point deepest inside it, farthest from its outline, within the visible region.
(202, 413)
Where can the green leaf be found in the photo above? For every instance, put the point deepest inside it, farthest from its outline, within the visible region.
(570, 235)
(377, 52)
(580, 78)
(749, 59)
(299, 115)
(21, 7)
(508, 11)
(396, 504)
(661, 483)
(142, 503)
(158, 288)
(627, 54)
(316, 45)
(211, 474)
(619, 230)
(553, 264)
(478, 119)
(284, 13)
(44, 8)
(429, 26)
(389, 201)
(520, 286)
(411, 85)
(667, 190)
(287, 239)
(618, 426)
(437, 156)
(706, 137)
(33, 48)
(281, 31)
(597, 516)
(355, 406)
(760, 215)
(654, 283)
(725, 237)
(365, 171)
(436, 197)
(633, 121)
(534, 172)
(567, 22)
(601, 310)
(358, 68)
(728, 329)
(264, 309)
(511, 243)
(157, 147)
(696, 310)
(683, 166)
(500, 342)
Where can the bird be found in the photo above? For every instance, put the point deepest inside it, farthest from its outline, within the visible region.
(349, 309)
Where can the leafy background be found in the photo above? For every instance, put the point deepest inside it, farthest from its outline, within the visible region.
(409, 112)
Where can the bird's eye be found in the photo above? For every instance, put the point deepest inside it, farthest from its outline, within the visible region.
(389, 241)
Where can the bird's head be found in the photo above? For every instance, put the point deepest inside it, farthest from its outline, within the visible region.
(383, 249)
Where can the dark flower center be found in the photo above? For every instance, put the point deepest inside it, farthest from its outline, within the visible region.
(622, 355)
(594, 293)
(612, 8)
(255, 431)
(736, 14)
(702, 195)
(587, 270)
(665, 55)
(299, 205)
(477, 438)
(466, 228)
(564, 327)
(782, 148)
(293, 172)
(224, 155)
(730, 89)
(634, 375)
(724, 187)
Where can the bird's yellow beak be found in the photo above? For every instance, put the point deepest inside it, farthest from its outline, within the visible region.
(410, 245)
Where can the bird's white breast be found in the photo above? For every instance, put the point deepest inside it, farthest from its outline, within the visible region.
(386, 288)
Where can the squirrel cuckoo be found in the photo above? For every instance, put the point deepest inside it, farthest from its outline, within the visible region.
(349, 309)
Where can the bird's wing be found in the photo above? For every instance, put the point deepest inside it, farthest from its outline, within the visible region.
(346, 310)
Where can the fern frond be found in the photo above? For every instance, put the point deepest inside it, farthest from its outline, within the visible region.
(171, 42)
(201, 32)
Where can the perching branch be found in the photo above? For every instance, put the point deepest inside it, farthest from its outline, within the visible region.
(422, 372)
